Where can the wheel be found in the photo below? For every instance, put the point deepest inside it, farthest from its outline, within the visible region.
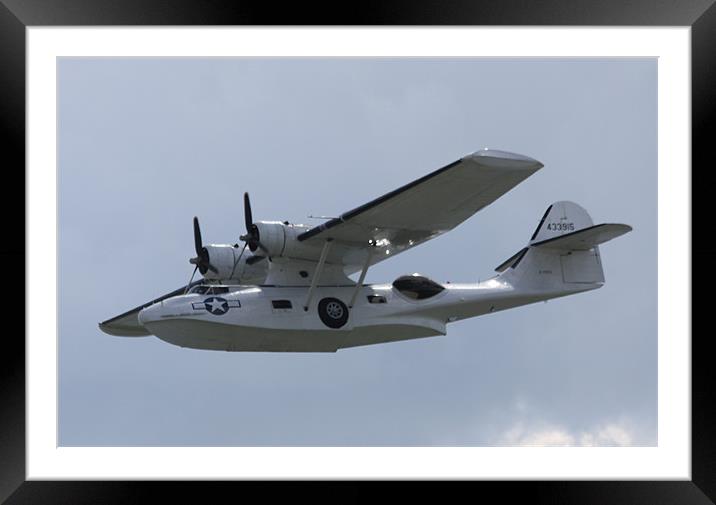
(333, 312)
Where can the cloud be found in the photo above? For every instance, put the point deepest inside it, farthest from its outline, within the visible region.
(614, 434)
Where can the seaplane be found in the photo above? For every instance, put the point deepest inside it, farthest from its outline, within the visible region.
(292, 290)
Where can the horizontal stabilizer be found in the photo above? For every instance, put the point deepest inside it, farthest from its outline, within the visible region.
(585, 239)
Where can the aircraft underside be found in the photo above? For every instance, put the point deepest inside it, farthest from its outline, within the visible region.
(226, 337)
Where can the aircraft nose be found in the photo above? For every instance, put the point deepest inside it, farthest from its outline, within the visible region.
(149, 314)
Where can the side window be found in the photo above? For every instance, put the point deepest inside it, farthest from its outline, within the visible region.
(281, 304)
(417, 287)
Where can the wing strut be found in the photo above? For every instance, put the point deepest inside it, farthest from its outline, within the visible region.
(317, 273)
(362, 277)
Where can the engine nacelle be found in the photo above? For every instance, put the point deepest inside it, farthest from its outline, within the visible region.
(225, 259)
(281, 240)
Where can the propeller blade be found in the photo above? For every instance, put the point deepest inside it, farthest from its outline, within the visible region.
(202, 254)
(197, 237)
(252, 236)
(247, 214)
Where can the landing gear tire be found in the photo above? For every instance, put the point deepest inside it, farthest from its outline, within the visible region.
(333, 312)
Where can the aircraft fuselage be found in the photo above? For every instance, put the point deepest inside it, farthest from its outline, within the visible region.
(273, 318)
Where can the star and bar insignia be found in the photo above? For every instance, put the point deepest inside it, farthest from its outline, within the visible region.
(216, 305)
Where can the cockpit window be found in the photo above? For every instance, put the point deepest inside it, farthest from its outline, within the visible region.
(417, 287)
(209, 290)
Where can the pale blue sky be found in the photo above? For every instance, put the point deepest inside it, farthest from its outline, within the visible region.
(146, 144)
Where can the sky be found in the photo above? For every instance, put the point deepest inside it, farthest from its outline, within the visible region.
(146, 144)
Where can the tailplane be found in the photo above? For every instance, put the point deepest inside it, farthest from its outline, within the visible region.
(563, 252)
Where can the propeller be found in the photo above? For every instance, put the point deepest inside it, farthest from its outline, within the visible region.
(252, 236)
(202, 254)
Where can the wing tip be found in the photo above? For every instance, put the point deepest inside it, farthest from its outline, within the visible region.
(504, 159)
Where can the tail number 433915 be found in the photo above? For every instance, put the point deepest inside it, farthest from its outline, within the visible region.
(561, 226)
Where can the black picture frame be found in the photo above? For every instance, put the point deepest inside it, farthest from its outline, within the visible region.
(16, 15)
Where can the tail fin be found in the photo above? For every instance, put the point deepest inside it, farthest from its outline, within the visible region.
(563, 252)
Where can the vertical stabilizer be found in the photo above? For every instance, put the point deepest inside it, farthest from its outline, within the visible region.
(563, 252)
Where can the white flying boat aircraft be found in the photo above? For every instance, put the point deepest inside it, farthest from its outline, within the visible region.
(292, 292)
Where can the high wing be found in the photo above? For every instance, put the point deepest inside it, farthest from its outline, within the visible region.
(127, 325)
(424, 208)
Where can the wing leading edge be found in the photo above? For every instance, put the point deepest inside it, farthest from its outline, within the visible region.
(426, 207)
